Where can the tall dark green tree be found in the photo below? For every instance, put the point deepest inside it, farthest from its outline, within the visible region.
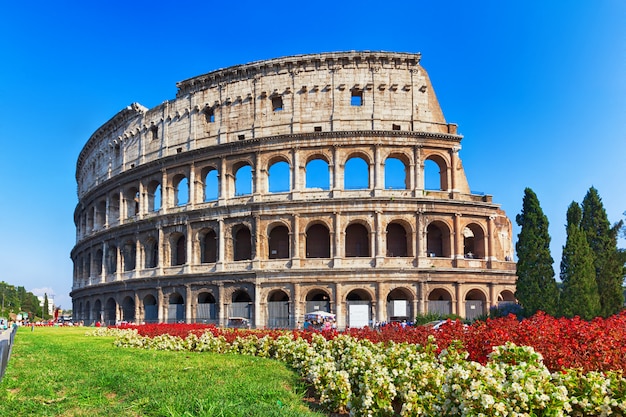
(536, 286)
(46, 307)
(580, 291)
(608, 260)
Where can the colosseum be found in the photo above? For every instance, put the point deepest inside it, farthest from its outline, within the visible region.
(324, 182)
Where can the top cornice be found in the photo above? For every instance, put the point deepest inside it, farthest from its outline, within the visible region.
(329, 60)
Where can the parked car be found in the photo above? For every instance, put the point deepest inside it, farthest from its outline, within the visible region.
(238, 323)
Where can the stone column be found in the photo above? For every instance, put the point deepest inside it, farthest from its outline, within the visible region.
(160, 304)
(139, 317)
(221, 245)
(189, 248)
(338, 249)
(296, 303)
(295, 240)
(223, 182)
(188, 304)
(160, 249)
(419, 172)
(381, 302)
(379, 171)
(491, 252)
(459, 300)
(221, 303)
(192, 186)
(165, 193)
(339, 306)
(458, 238)
(378, 234)
(454, 160)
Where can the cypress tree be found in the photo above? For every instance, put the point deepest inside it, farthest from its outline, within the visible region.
(580, 291)
(536, 286)
(608, 260)
(46, 307)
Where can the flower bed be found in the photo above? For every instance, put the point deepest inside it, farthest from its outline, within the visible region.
(422, 372)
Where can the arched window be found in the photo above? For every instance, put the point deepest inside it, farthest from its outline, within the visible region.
(129, 255)
(131, 201)
(317, 174)
(473, 242)
(242, 244)
(98, 262)
(211, 186)
(243, 180)
(111, 259)
(181, 192)
(435, 173)
(396, 240)
(438, 240)
(278, 177)
(357, 241)
(152, 253)
(279, 243)
(179, 251)
(317, 241)
(395, 175)
(154, 196)
(208, 246)
(356, 174)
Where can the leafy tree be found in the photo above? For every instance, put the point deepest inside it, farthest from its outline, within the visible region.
(580, 291)
(608, 260)
(536, 286)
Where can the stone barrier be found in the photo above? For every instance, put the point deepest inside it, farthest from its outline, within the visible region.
(6, 343)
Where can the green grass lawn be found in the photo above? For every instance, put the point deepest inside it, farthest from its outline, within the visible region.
(62, 372)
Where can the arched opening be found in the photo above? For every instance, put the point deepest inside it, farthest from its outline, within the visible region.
(475, 302)
(243, 180)
(100, 215)
(396, 177)
(356, 174)
(131, 201)
(110, 312)
(98, 262)
(241, 305)
(278, 310)
(438, 240)
(317, 174)
(242, 244)
(111, 259)
(114, 209)
(206, 309)
(152, 253)
(97, 313)
(154, 196)
(506, 298)
(278, 177)
(176, 308)
(181, 191)
(211, 186)
(359, 304)
(440, 302)
(399, 307)
(396, 240)
(208, 247)
(150, 309)
(128, 309)
(279, 243)
(473, 242)
(179, 249)
(129, 255)
(435, 173)
(357, 241)
(317, 241)
(317, 300)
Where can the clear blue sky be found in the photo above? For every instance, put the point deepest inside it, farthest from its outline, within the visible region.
(538, 89)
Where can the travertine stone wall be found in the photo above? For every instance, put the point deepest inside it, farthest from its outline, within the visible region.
(164, 233)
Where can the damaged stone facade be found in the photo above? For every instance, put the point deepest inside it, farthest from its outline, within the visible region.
(238, 199)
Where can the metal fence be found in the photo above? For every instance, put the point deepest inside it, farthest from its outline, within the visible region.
(6, 343)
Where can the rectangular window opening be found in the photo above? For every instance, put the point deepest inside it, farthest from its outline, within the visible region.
(395, 127)
(155, 133)
(356, 98)
(210, 116)
(241, 137)
(317, 128)
(277, 103)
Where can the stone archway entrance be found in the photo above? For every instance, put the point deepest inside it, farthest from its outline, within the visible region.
(359, 304)
(278, 310)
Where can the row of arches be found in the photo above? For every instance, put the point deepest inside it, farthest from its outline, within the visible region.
(280, 310)
(247, 241)
(221, 179)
